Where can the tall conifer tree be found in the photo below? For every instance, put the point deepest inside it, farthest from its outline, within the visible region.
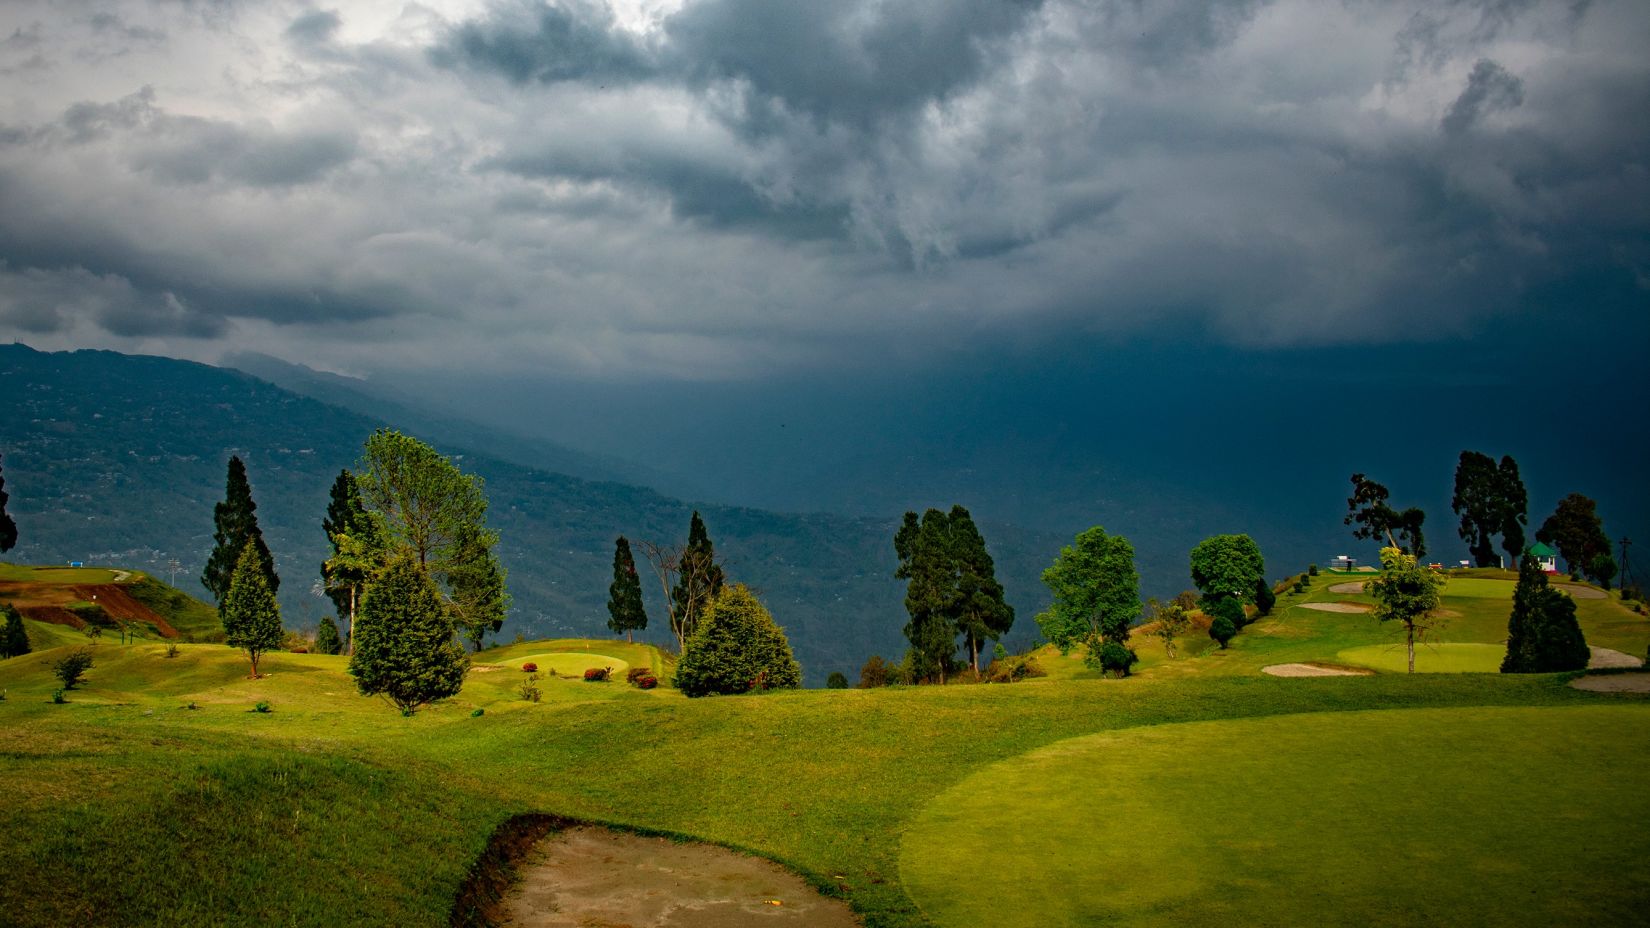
(235, 524)
(698, 579)
(8, 528)
(345, 515)
(624, 595)
(406, 650)
(982, 613)
(1515, 504)
(929, 567)
(14, 641)
(251, 617)
(1543, 635)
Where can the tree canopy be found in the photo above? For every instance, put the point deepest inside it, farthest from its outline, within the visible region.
(251, 616)
(626, 614)
(736, 649)
(235, 524)
(952, 589)
(1228, 565)
(1576, 530)
(699, 579)
(1096, 593)
(8, 527)
(14, 640)
(1543, 635)
(1490, 500)
(405, 648)
(1405, 592)
(1373, 519)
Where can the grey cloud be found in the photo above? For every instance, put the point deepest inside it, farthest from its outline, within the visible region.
(534, 41)
(46, 302)
(87, 121)
(315, 27)
(1489, 88)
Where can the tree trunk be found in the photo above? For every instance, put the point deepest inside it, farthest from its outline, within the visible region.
(351, 651)
(974, 646)
(1410, 628)
(629, 636)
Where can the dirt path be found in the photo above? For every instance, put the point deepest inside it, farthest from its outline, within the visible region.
(591, 876)
(1336, 607)
(1351, 586)
(1581, 592)
(1614, 683)
(1604, 657)
(1311, 670)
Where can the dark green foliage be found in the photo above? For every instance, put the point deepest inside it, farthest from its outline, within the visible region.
(1116, 659)
(737, 649)
(1096, 594)
(1228, 607)
(235, 524)
(1602, 568)
(348, 517)
(327, 639)
(982, 613)
(14, 641)
(1265, 599)
(251, 617)
(1374, 519)
(405, 648)
(1542, 633)
(1576, 530)
(1490, 500)
(1228, 565)
(878, 672)
(1515, 504)
(1006, 669)
(698, 579)
(927, 565)
(8, 527)
(69, 668)
(1312, 570)
(1222, 630)
(836, 681)
(626, 614)
(475, 580)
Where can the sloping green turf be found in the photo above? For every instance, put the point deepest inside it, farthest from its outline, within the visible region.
(1429, 658)
(1467, 816)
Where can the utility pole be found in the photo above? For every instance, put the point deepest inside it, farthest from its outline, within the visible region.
(172, 572)
(1626, 567)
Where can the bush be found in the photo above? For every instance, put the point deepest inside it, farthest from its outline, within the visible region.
(529, 689)
(1311, 570)
(876, 672)
(647, 681)
(477, 713)
(262, 706)
(1013, 670)
(598, 674)
(736, 649)
(72, 666)
(327, 639)
(57, 697)
(636, 673)
(529, 667)
(1264, 600)
(1229, 608)
(171, 650)
(1222, 630)
(1116, 659)
(836, 681)
(1300, 587)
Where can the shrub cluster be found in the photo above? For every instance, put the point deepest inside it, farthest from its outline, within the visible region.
(530, 688)
(1012, 670)
(736, 649)
(598, 674)
(879, 672)
(641, 678)
(529, 667)
(836, 681)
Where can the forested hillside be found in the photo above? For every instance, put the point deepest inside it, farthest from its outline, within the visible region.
(119, 459)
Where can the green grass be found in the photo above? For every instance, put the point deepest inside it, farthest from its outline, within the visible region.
(1456, 816)
(1429, 658)
(194, 620)
(68, 575)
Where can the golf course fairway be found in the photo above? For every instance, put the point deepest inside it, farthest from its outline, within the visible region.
(1472, 816)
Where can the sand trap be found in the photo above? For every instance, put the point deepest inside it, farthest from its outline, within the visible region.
(1312, 670)
(1614, 683)
(1604, 657)
(591, 876)
(1336, 607)
(1581, 592)
(1354, 586)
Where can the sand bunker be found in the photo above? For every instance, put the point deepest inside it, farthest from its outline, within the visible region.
(591, 876)
(1353, 586)
(1604, 657)
(1335, 607)
(1311, 670)
(1614, 683)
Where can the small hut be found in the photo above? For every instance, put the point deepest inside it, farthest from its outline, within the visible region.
(1545, 557)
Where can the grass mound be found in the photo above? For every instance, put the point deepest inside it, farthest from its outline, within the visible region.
(1457, 816)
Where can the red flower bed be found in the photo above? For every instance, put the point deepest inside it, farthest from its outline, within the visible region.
(529, 667)
(647, 682)
(596, 675)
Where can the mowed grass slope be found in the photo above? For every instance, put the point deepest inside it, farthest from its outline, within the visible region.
(333, 807)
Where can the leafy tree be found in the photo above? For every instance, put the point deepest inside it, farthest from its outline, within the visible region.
(836, 681)
(327, 639)
(251, 617)
(877, 672)
(1116, 659)
(1228, 565)
(14, 641)
(1222, 630)
(982, 613)
(1265, 599)
(736, 649)
(698, 579)
(1490, 500)
(360, 554)
(1229, 608)
(1373, 518)
(927, 564)
(476, 579)
(1405, 592)
(8, 528)
(405, 648)
(235, 525)
(1577, 532)
(69, 668)
(625, 611)
(1515, 504)
(1542, 633)
(1602, 568)
(1171, 621)
(1096, 594)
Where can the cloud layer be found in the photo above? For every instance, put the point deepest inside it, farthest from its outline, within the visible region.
(727, 188)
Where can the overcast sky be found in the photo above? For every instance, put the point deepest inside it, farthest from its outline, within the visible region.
(731, 189)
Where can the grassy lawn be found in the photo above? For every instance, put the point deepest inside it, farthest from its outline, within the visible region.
(26, 573)
(1429, 658)
(1450, 817)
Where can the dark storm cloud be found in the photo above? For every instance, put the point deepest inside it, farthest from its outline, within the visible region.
(1489, 88)
(532, 40)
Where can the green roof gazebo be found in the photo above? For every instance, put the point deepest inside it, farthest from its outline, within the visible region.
(1544, 556)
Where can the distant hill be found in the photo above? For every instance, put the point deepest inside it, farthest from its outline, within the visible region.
(118, 459)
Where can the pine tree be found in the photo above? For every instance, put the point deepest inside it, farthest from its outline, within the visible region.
(327, 639)
(235, 524)
(1543, 635)
(405, 648)
(982, 613)
(345, 516)
(624, 595)
(14, 641)
(479, 600)
(8, 528)
(698, 579)
(251, 617)
(1515, 504)
(928, 565)
(737, 649)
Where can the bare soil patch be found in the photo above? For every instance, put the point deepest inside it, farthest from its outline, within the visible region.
(1581, 592)
(1312, 670)
(1351, 586)
(47, 602)
(1614, 683)
(1336, 607)
(587, 876)
(1605, 658)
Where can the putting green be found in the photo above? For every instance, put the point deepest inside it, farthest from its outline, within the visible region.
(1479, 816)
(1480, 588)
(1461, 657)
(571, 663)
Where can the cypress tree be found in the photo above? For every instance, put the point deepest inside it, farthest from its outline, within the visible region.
(699, 578)
(8, 528)
(251, 617)
(928, 564)
(983, 615)
(737, 649)
(235, 522)
(1543, 635)
(327, 639)
(1265, 599)
(14, 641)
(624, 595)
(405, 648)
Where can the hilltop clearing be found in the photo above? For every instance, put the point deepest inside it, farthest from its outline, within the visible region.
(78, 597)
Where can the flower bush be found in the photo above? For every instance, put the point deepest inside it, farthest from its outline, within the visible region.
(597, 674)
(529, 667)
(646, 681)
